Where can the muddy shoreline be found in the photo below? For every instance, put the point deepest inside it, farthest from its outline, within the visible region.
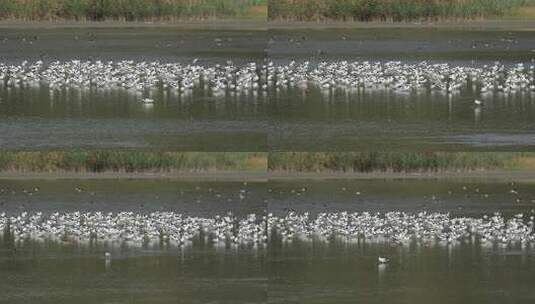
(518, 25)
(186, 25)
(491, 175)
(261, 25)
(259, 176)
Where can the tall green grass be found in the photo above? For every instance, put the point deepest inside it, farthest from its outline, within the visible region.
(395, 161)
(125, 9)
(130, 161)
(390, 10)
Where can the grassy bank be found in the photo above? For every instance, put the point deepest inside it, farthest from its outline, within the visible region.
(347, 162)
(130, 161)
(130, 10)
(288, 10)
(399, 162)
(393, 10)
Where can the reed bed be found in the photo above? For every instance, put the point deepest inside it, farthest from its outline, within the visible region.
(367, 162)
(128, 10)
(130, 161)
(390, 10)
(356, 162)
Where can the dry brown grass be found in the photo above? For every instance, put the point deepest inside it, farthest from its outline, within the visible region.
(524, 13)
(524, 163)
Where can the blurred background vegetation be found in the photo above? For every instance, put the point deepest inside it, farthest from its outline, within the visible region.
(129, 161)
(357, 162)
(298, 10)
(131, 10)
(397, 10)
(366, 162)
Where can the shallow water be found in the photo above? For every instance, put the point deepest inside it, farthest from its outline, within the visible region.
(36, 119)
(470, 45)
(335, 120)
(340, 273)
(51, 273)
(148, 44)
(383, 120)
(287, 119)
(201, 273)
(459, 197)
(143, 196)
(284, 272)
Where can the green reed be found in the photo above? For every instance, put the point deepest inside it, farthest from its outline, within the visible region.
(148, 161)
(390, 10)
(129, 161)
(125, 9)
(397, 161)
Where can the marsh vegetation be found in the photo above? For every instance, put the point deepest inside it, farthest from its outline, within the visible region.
(398, 161)
(128, 161)
(358, 162)
(129, 10)
(391, 10)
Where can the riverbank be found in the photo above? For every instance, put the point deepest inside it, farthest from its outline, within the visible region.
(263, 25)
(480, 24)
(220, 24)
(131, 10)
(87, 162)
(263, 176)
(399, 162)
(483, 175)
(397, 10)
(176, 164)
(229, 176)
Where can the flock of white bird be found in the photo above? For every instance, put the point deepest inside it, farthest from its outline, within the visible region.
(403, 228)
(180, 230)
(253, 77)
(135, 229)
(405, 77)
(134, 76)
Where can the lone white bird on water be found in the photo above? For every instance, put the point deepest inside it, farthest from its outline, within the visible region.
(382, 260)
(147, 100)
(478, 102)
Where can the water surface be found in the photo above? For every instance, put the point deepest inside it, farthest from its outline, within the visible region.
(284, 119)
(313, 272)
(284, 272)
(334, 120)
(35, 118)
